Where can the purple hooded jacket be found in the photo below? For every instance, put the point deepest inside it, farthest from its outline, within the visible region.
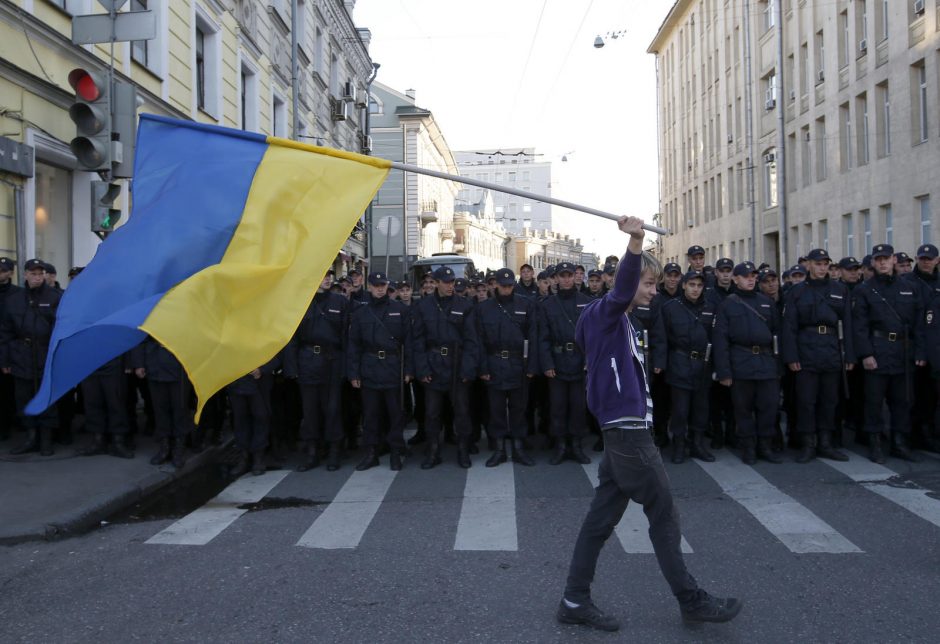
(616, 384)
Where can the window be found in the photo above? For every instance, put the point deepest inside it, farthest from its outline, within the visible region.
(845, 137)
(302, 24)
(770, 178)
(919, 102)
(883, 131)
(822, 168)
(200, 69)
(206, 65)
(249, 99)
(849, 235)
(526, 206)
(824, 234)
(804, 67)
(278, 116)
(806, 156)
(769, 10)
(318, 53)
(881, 20)
(334, 76)
(861, 130)
(820, 56)
(139, 51)
(845, 42)
(923, 204)
(375, 105)
(861, 26)
(887, 218)
(770, 90)
(866, 224)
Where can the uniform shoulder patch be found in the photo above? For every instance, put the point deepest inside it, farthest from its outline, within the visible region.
(456, 312)
(334, 311)
(521, 312)
(394, 314)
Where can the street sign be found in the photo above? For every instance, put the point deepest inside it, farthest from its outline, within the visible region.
(96, 28)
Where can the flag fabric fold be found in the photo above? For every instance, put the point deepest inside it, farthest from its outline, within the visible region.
(230, 235)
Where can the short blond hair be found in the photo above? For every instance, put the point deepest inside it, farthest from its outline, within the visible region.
(648, 264)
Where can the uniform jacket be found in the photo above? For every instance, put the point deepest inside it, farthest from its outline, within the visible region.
(161, 365)
(507, 327)
(715, 295)
(532, 290)
(809, 333)
(379, 339)
(26, 328)
(680, 341)
(445, 342)
(932, 335)
(248, 385)
(558, 319)
(745, 325)
(616, 384)
(928, 284)
(316, 354)
(884, 305)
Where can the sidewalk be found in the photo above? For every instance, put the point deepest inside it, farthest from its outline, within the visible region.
(47, 497)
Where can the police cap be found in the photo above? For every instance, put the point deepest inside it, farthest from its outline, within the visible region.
(672, 267)
(596, 272)
(818, 255)
(378, 278)
(902, 257)
(564, 267)
(693, 275)
(505, 277)
(6, 264)
(928, 250)
(882, 250)
(461, 284)
(765, 273)
(724, 263)
(745, 268)
(444, 274)
(796, 268)
(849, 263)
(610, 269)
(695, 250)
(35, 265)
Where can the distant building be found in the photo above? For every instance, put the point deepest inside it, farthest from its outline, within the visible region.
(541, 248)
(478, 235)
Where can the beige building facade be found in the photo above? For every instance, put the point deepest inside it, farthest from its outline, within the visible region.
(849, 107)
(541, 248)
(478, 234)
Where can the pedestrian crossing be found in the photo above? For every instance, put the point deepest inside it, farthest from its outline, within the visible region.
(489, 517)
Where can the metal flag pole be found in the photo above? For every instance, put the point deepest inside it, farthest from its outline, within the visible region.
(519, 193)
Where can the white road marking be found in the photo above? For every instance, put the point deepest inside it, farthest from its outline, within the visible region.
(791, 522)
(346, 519)
(488, 513)
(203, 525)
(873, 477)
(633, 529)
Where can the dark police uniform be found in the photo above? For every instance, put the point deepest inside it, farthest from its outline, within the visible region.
(810, 337)
(7, 399)
(527, 290)
(932, 339)
(558, 352)
(925, 399)
(507, 331)
(316, 356)
(104, 397)
(25, 331)
(446, 359)
(721, 409)
(378, 356)
(852, 407)
(169, 391)
(250, 398)
(681, 348)
(888, 317)
(743, 338)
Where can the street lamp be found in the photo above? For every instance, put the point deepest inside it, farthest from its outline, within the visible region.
(613, 35)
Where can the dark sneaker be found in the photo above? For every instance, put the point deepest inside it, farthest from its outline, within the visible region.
(705, 608)
(587, 614)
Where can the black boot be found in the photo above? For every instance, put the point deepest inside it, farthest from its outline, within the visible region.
(433, 456)
(370, 460)
(179, 452)
(31, 444)
(241, 466)
(764, 451)
(900, 449)
(119, 446)
(394, 460)
(807, 448)
(163, 453)
(499, 454)
(678, 449)
(311, 457)
(702, 607)
(519, 454)
(257, 463)
(698, 449)
(874, 449)
(45, 441)
(99, 446)
(577, 454)
(827, 449)
(419, 437)
(748, 454)
(463, 452)
(561, 451)
(333, 458)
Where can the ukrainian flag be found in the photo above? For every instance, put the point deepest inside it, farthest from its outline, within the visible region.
(230, 237)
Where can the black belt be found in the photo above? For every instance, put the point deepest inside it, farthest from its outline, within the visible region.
(630, 425)
(567, 346)
(318, 349)
(890, 337)
(695, 355)
(755, 349)
(821, 329)
(381, 354)
(506, 354)
(443, 350)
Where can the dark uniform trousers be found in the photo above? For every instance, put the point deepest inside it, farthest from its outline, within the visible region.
(321, 416)
(568, 406)
(382, 406)
(251, 419)
(816, 398)
(435, 406)
(878, 387)
(172, 419)
(630, 470)
(689, 410)
(7, 404)
(755, 407)
(512, 401)
(23, 391)
(104, 398)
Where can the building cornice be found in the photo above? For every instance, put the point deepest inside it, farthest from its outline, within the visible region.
(670, 23)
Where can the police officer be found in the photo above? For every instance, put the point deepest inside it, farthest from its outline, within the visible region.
(446, 359)
(315, 356)
(681, 349)
(595, 284)
(357, 292)
(696, 257)
(507, 330)
(25, 331)
(849, 272)
(719, 286)
(903, 263)
(169, 390)
(769, 285)
(932, 338)
(723, 285)
(527, 286)
(103, 394)
(250, 398)
(926, 277)
(888, 317)
(816, 345)
(672, 276)
(562, 363)
(379, 363)
(7, 400)
(746, 325)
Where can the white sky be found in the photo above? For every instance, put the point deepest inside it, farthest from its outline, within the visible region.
(467, 61)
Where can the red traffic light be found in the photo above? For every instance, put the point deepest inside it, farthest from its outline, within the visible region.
(87, 85)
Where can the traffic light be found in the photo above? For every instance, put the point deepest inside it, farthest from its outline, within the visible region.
(104, 217)
(91, 113)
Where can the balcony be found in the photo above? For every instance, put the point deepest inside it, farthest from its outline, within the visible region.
(428, 212)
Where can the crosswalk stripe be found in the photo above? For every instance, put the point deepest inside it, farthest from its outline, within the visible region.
(633, 529)
(345, 520)
(204, 524)
(874, 477)
(488, 513)
(792, 523)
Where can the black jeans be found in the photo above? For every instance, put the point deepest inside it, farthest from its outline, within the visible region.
(568, 403)
(630, 470)
(817, 395)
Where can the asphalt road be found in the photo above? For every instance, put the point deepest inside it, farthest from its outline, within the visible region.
(817, 553)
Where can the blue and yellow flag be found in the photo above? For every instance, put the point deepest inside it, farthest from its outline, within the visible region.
(230, 237)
